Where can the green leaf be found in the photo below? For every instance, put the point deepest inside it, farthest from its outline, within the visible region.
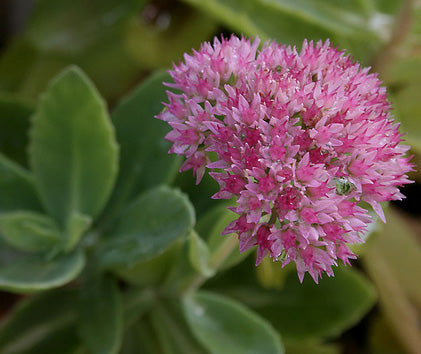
(17, 189)
(144, 158)
(172, 329)
(73, 151)
(77, 225)
(36, 273)
(14, 126)
(29, 231)
(225, 326)
(44, 322)
(100, 320)
(199, 255)
(147, 228)
(150, 273)
(308, 311)
(354, 26)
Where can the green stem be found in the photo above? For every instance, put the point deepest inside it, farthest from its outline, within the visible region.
(215, 262)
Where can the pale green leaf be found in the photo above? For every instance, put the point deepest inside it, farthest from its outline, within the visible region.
(73, 151)
(148, 227)
(34, 273)
(224, 326)
(29, 231)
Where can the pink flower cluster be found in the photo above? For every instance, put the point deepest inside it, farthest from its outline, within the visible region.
(300, 138)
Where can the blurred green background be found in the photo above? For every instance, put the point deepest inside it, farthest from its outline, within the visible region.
(119, 43)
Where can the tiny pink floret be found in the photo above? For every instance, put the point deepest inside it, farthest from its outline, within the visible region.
(300, 139)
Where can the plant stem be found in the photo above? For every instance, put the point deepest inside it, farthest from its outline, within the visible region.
(215, 262)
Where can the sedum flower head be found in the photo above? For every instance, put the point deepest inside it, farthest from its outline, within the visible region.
(300, 139)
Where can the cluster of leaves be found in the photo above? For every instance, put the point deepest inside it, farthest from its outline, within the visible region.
(110, 254)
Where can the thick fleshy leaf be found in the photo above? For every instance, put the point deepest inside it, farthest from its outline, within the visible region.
(144, 158)
(150, 273)
(306, 311)
(100, 320)
(42, 322)
(14, 125)
(225, 326)
(147, 228)
(350, 24)
(29, 231)
(17, 189)
(34, 273)
(73, 152)
(172, 329)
